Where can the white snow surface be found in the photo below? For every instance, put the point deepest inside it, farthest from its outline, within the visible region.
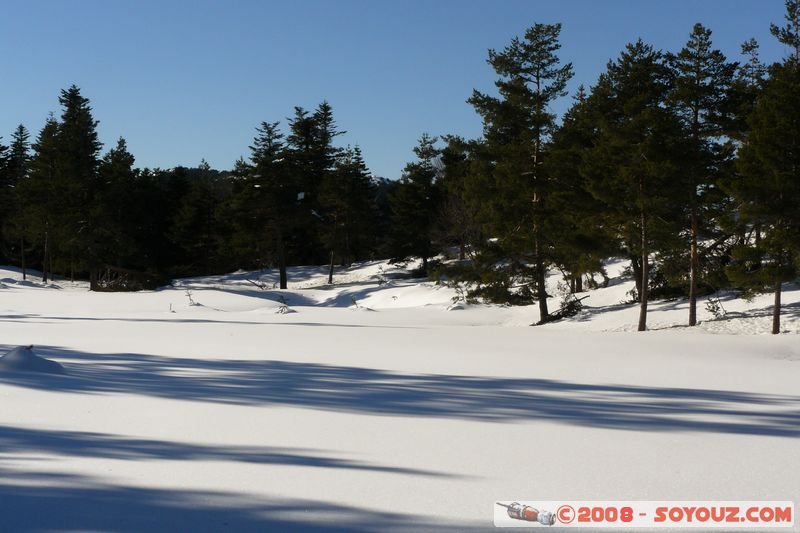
(229, 415)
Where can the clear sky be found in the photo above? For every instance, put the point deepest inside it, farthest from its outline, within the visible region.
(185, 80)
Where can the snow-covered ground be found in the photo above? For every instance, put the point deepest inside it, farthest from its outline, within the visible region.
(378, 406)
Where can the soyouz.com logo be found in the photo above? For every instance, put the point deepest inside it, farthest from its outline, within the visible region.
(640, 514)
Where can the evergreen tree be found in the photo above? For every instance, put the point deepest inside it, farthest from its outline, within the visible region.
(457, 221)
(76, 181)
(702, 80)
(6, 197)
(40, 195)
(196, 227)
(745, 88)
(272, 195)
(414, 203)
(634, 165)
(583, 240)
(18, 167)
(307, 164)
(768, 190)
(116, 212)
(347, 199)
(516, 126)
(789, 35)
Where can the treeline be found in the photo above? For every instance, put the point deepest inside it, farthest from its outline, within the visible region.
(685, 162)
(297, 200)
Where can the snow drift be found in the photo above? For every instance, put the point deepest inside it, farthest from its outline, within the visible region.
(22, 359)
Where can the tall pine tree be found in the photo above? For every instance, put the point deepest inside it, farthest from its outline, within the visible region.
(517, 125)
(41, 197)
(702, 80)
(76, 182)
(414, 202)
(18, 167)
(768, 189)
(634, 165)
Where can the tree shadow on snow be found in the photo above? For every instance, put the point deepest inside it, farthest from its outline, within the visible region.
(108, 446)
(32, 502)
(45, 319)
(373, 391)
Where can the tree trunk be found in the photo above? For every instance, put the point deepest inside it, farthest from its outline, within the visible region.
(541, 275)
(462, 251)
(636, 266)
(644, 290)
(425, 264)
(282, 263)
(22, 257)
(46, 255)
(347, 258)
(330, 271)
(693, 267)
(776, 310)
(541, 288)
(579, 283)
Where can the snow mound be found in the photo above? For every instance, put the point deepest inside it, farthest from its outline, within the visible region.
(22, 359)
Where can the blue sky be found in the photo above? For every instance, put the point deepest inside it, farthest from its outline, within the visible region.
(185, 80)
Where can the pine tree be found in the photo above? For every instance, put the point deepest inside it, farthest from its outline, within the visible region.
(634, 165)
(76, 181)
(789, 35)
(40, 195)
(272, 195)
(18, 167)
(583, 240)
(517, 125)
(745, 87)
(6, 197)
(306, 164)
(414, 202)
(347, 199)
(457, 223)
(196, 227)
(702, 80)
(116, 212)
(768, 190)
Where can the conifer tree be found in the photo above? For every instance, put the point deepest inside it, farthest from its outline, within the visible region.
(196, 228)
(414, 203)
(6, 197)
(768, 190)
(516, 126)
(272, 195)
(347, 199)
(457, 221)
(18, 167)
(634, 165)
(746, 85)
(308, 162)
(702, 80)
(40, 194)
(116, 212)
(789, 34)
(76, 181)
(583, 239)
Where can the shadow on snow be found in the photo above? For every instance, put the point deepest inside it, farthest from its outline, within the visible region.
(374, 391)
(33, 502)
